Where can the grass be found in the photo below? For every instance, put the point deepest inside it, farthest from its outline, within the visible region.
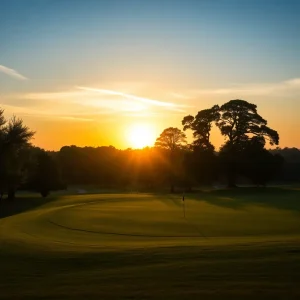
(233, 244)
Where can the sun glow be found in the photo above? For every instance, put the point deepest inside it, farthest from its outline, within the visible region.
(141, 135)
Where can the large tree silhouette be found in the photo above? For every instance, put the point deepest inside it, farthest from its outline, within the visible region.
(240, 123)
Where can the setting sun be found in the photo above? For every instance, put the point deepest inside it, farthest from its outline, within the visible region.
(141, 135)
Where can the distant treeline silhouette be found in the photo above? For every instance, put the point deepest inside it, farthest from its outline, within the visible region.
(172, 163)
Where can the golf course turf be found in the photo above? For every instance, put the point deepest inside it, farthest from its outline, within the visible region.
(231, 244)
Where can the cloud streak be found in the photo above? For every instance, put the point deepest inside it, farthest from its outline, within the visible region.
(133, 97)
(287, 86)
(12, 73)
(87, 104)
(109, 100)
(290, 87)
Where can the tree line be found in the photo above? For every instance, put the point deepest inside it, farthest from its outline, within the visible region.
(22, 165)
(172, 162)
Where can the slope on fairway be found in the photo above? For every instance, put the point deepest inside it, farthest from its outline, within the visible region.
(136, 219)
(139, 246)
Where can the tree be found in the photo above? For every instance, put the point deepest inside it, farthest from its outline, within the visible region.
(45, 175)
(14, 140)
(258, 164)
(201, 126)
(291, 166)
(201, 162)
(172, 140)
(240, 123)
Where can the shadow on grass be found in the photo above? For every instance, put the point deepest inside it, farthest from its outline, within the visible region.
(240, 198)
(22, 204)
(171, 199)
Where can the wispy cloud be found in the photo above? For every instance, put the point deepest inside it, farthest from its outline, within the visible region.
(12, 73)
(43, 113)
(114, 101)
(287, 86)
(179, 96)
(88, 104)
(132, 97)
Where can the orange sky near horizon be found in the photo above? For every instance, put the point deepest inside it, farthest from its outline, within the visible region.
(114, 130)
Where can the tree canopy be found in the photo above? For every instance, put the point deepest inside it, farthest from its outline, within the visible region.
(14, 140)
(171, 139)
(239, 121)
(201, 126)
(244, 129)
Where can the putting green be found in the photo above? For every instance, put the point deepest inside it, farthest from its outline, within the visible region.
(232, 245)
(138, 220)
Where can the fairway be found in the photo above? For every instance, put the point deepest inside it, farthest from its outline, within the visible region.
(125, 246)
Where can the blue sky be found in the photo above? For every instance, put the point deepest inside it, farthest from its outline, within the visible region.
(188, 54)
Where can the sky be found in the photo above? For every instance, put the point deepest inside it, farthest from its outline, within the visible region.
(85, 72)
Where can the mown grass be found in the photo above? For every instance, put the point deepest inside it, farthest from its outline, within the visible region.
(240, 244)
